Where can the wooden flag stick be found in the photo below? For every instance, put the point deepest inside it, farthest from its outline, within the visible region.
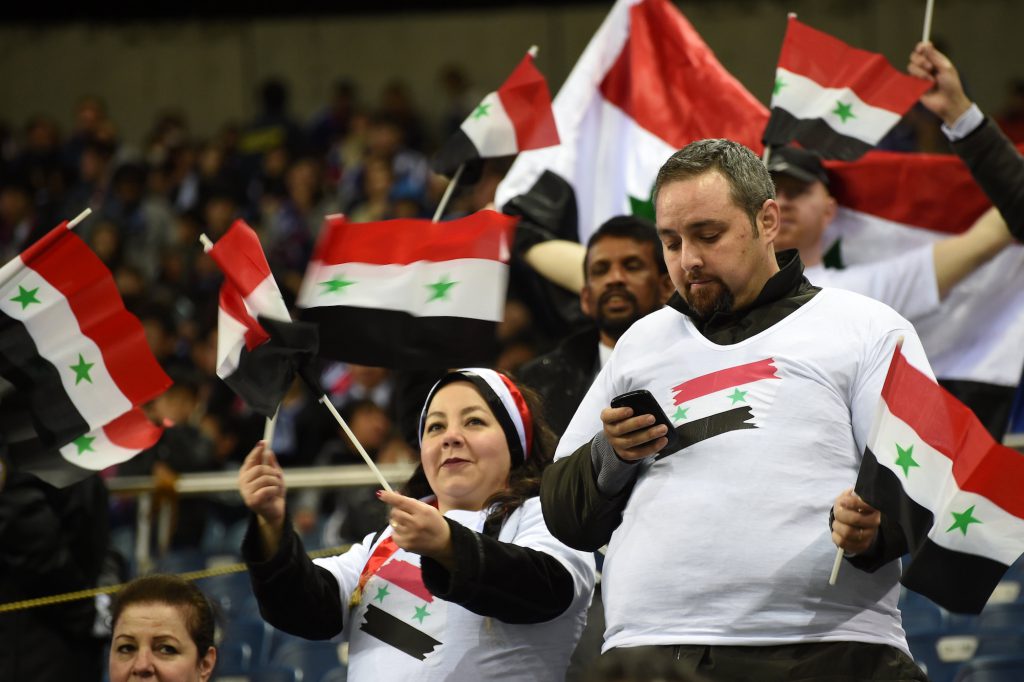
(352, 439)
(448, 193)
(79, 218)
(268, 427)
(839, 550)
(927, 32)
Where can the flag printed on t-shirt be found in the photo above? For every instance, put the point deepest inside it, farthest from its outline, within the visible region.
(410, 294)
(729, 399)
(646, 86)
(955, 492)
(514, 118)
(78, 360)
(833, 98)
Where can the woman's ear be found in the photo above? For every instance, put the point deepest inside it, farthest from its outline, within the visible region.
(207, 664)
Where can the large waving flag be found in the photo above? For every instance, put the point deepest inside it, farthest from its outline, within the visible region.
(955, 492)
(77, 360)
(833, 98)
(514, 118)
(891, 203)
(646, 86)
(256, 367)
(409, 293)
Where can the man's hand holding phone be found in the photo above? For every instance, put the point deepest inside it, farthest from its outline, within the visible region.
(637, 427)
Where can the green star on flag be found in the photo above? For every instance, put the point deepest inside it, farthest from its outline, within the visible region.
(481, 111)
(84, 444)
(738, 396)
(440, 288)
(779, 84)
(905, 458)
(963, 520)
(335, 285)
(641, 208)
(82, 370)
(381, 593)
(421, 613)
(843, 111)
(26, 297)
(680, 413)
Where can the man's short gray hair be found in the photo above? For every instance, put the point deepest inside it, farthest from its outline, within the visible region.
(749, 181)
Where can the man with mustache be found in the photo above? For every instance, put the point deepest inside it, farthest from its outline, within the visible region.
(719, 553)
(624, 279)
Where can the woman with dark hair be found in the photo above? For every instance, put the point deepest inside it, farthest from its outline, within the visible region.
(466, 582)
(162, 629)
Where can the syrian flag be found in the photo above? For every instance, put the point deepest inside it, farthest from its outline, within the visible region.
(76, 359)
(259, 369)
(833, 98)
(409, 294)
(645, 86)
(512, 119)
(725, 400)
(954, 491)
(891, 203)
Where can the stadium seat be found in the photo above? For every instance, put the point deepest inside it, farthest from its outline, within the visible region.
(993, 669)
(254, 633)
(181, 561)
(336, 675)
(922, 616)
(312, 659)
(275, 674)
(1001, 643)
(231, 591)
(941, 653)
(1001, 617)
(234, 658)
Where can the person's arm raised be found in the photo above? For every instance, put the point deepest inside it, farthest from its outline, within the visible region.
(261, 482)
(959, 256)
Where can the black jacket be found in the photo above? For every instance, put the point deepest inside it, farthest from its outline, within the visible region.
(998, 168)
(563, 376)
(583, 517)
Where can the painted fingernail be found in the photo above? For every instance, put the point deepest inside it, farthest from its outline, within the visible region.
(379, 493)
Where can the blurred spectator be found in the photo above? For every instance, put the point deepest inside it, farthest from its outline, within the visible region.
(271, 128)
(1011, 117)
(396, 102)
(333, 124)
(18, 224)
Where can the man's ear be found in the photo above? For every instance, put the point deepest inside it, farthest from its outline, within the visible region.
(587, 301)
(769, 220)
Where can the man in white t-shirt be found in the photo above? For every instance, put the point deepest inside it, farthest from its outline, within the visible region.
(719, 553)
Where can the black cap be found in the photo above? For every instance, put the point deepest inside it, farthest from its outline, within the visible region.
(798, 163)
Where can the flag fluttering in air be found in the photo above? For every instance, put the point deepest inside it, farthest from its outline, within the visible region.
(77, 361)
(514, 118)
(833, 98)
(891, 203)
(955, 492)
(646, 86)
(409, 293)
(256, 366)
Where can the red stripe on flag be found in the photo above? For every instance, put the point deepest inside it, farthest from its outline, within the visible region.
(403, 241)
(133, 431)
(527, 101)
(669, 82)
(980, 465)
(911, 189)
(240, 257)
(406, 576)
(45, 242)
(85, 282)
(831, 63)
(725, 378)
(231, 303)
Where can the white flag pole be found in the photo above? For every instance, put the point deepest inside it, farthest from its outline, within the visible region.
(927, 32)
(448, 193)
(839, 550)
(79, 218)
(13, 266)
(352, 439)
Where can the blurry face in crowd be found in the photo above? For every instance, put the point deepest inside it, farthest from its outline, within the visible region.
(151, 642)
(623, 284)
(713, 257)
(464, 452)
(806, 209)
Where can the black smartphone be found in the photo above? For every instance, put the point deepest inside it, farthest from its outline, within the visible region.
(643, 402)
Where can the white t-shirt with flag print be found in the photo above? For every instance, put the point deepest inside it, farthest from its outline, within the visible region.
(727, 542)
(399, 631)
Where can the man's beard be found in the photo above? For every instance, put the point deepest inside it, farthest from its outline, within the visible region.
(709, 299)
(615, 327)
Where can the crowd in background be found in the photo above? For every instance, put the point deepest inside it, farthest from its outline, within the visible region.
(151, 200)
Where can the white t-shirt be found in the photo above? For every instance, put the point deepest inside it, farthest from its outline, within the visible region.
(727, 541)
(397, 621)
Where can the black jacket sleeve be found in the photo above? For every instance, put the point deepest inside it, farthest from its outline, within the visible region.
(501, 580)
(294, 594)
(998, 168)
(576, 511)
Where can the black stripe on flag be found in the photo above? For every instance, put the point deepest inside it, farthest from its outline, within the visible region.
(456, 151)
(957, 581)
(714, 425)
(40, 393)
(387, 338)
(397, 633)
(814, 134)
